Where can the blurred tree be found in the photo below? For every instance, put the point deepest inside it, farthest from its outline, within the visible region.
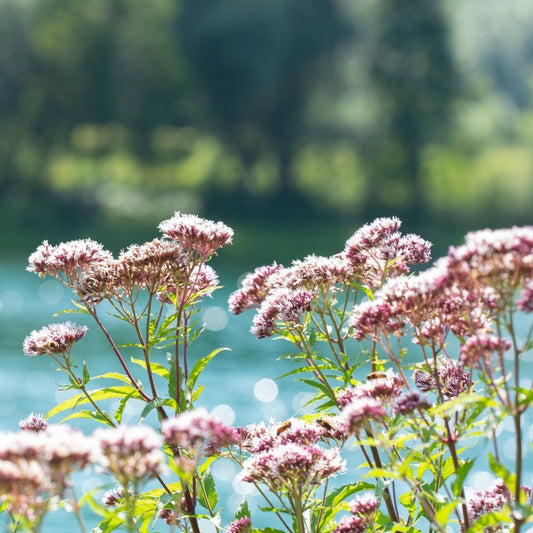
(412, 67)
(257, 63)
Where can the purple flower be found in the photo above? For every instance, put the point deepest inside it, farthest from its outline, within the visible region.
(317, 271)
(197, 234)
(351, 524)
(302, 464)
(130, 453)
(365, 505)
(410, 401)
(383, 387)
(284, 305)
(360, 411)
(67, 258)
(53, 340)
(450, 378)
(241, 525)
(198, 429)
(525, 302)
(480, 347)
(33, 422)
(254, 289)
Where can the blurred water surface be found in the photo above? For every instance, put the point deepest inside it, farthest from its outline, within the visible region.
(240, 385)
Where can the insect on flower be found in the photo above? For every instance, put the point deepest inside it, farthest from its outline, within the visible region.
(283, 427)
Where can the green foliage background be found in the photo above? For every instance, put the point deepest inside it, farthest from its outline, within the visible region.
(311, 113)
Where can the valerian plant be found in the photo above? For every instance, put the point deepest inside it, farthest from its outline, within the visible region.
(418, 371)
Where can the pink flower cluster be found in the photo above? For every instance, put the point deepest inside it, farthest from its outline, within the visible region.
(379, 249)
(283, 305)
(479, 348)
(376, 251)
(204, 237)
(165, 265)
(363, 509)
(287, 453)
(449, 379)
(461, 293)
(36, 465)
(130, 453)
(54, 339)
(197, 433)
(67, 258)
(33, 422)
(241, 525)
(491, 499)
(384, 386)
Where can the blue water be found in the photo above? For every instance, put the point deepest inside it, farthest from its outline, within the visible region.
(240, 385)
(29, 384)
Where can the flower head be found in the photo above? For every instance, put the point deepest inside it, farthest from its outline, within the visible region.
(67, 258)
(303, 464)
(131, 453)
(480, 347)
(365, 505)
(285, 305)
(449, 378)
(197, 429)
(351, 524)
(33, 422)
(197, 234)
(410, 401)
(53, 339)
(360, 411)
(241, 525)
(254, 289)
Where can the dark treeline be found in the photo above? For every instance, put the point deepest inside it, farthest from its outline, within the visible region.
(125, 109)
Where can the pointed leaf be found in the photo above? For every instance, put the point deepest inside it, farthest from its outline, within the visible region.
(156, 368)
(200, 366)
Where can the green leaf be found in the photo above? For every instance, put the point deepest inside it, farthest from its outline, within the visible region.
(96, 395)
(92, 415)
(243, 510)
(114, 375)
(208, 497)
(154, 404)
(200, 366)
(122, 405)
(443, 514)
(460, 476)
(79, 309)
(156, 368)
(86, 376)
